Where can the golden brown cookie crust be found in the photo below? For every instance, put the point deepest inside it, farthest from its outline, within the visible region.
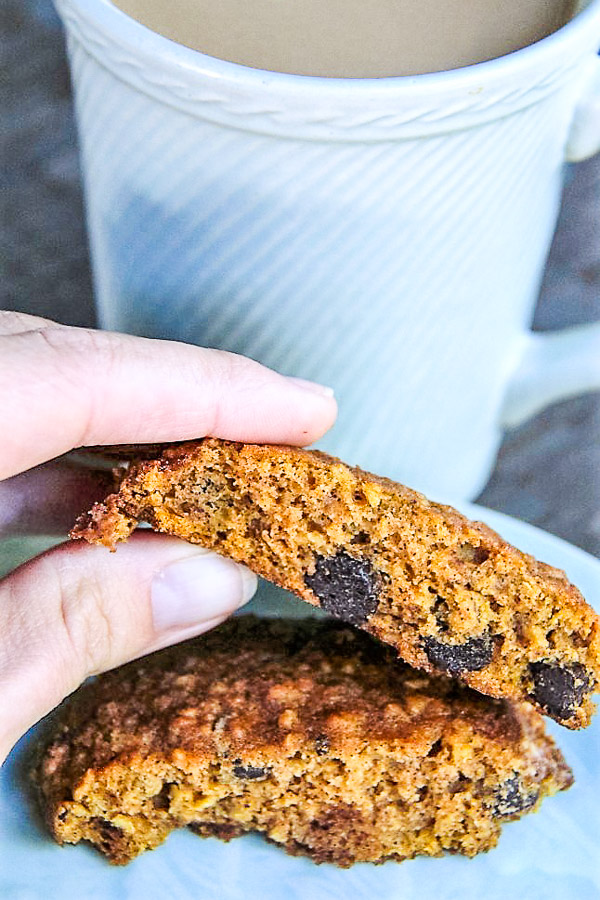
(449, 594)
(308, 732)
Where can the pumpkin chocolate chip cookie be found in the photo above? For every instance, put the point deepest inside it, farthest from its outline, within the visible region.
(309, 732)
(448, 594)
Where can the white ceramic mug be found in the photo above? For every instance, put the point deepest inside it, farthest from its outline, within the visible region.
(384, 236)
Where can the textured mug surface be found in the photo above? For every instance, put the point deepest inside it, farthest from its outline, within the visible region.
(384, 236)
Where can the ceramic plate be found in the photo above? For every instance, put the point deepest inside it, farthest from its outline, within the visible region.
(551, 855)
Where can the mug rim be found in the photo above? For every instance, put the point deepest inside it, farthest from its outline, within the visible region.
(320, 108)
(139, 37)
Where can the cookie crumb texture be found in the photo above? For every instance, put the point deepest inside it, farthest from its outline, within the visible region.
(309, 732)
(448, 594)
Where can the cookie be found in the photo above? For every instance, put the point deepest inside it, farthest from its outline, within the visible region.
(309, 732)
(448, 594)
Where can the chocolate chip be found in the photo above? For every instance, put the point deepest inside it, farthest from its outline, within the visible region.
(110, 837)
(471, 656)
(162, 800)
(104, 828)
(250, 772)
(322, 745)
(345, 586)
(441, 611)
(459, 785)
(559, 689)
(435, 748)
(472, 554)
(510, 799)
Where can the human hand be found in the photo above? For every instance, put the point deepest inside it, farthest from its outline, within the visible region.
(78, 610)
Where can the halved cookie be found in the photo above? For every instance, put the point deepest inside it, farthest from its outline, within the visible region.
(448, 594)
(309, 732)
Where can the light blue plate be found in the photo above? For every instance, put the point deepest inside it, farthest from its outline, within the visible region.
(551, 855)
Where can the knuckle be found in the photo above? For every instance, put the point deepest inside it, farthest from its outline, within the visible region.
(74, 352)
(244, 377)
(230, 370)
(15, 322)
(83, 612)
(217, 376)
(75, 343)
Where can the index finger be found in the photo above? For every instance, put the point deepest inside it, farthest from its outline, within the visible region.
(68, 387)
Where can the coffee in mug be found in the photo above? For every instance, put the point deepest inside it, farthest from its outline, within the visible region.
(353, 38)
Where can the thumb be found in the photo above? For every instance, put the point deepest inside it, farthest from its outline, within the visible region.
(78, 610)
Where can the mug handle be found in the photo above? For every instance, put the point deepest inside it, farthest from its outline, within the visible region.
(552, 367)
(584, 135)
(558, 365)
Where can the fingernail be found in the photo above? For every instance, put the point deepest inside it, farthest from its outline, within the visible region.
(197, 589)
(311, 386)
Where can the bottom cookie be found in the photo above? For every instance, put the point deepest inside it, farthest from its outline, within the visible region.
(307, 731)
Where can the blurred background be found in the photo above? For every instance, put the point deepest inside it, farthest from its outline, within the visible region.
(548, 471)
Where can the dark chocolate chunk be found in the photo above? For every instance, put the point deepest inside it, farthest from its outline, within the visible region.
(346, 586)
(471, 554)
(435, 748)
(459, 785)
(162, 800)
(110, 837)
(441, 611)
(471, 656)
(322, 745)
(250, 772)
(559, 689)
(104, 828)
(510, 799)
